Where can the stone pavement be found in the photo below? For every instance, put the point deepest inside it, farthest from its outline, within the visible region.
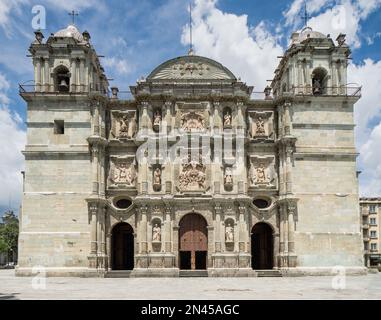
(357, 287)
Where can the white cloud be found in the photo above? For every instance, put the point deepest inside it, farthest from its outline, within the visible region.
(6, 8)
(12, 139)
(76, 5)
(367, 109)
(120, 66)
(333, 17)
(249, 52)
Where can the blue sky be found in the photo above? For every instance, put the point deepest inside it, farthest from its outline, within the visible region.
(136, 36)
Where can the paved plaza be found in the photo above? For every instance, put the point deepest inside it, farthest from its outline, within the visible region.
(356, 287)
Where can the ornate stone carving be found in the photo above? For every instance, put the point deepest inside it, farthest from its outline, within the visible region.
(191, 68)
(262, 173)
(157, 179)
(227, 119)
(261, 125)
(192, 176)
(229, 233)
(192, 121)
(122, 172)
(156, 233)
(157, 120)
(125, 126)
(228, 179)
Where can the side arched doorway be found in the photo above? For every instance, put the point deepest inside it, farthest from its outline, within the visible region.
(193, 242)
(262, 247)
(122, 247)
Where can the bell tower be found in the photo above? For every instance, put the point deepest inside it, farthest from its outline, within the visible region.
(66, 62)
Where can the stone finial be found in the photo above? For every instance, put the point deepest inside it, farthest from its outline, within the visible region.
(267, 92)
(341, 39)
(86, 36)
(39, 36)
(114, 92)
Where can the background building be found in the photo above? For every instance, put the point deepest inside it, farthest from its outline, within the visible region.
(370, 209)
(242, 181)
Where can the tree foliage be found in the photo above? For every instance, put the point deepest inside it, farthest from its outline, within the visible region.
(9, 231)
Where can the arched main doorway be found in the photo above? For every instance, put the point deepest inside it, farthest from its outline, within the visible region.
(193, 242)
(262, 247)
(122, 247)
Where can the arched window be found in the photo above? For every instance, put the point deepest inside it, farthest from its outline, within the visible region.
(62, 79)
(319, 81)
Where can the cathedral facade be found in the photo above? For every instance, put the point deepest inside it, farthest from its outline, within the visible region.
(195, 172)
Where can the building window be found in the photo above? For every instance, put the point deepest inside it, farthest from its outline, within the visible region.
(373, 246)
(373, 234)
(372, 208)
(373, 221)
(59, 127)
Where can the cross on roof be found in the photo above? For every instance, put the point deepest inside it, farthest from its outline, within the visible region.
(305, 14)
(73, 14)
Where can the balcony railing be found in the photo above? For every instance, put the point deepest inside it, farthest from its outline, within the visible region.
(365, 226)
(347, 90)
(365, 213)
(49, 89)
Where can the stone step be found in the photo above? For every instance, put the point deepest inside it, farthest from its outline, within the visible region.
(118, 274)
(268, 273)
(193, 273)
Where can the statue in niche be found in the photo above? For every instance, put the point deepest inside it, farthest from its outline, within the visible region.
(227, 119)
(261, 174)
(157, 179)
(229, 233)
(157, 176)
(123, 126)
(156, 233)
(228, 179)
(124, 174)
(157, 118)
(260, 124)
(132, 127)
(317, 89)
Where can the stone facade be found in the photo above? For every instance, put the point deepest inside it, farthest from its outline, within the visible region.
(273, 178)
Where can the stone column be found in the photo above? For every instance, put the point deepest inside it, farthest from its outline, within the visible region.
(168, 117)
(216, 117)
(288, 169)
(38, 75)
(96, 120)
(210, 245)
(81, 87)
(287, 119)
(300, 83)
(46, 75)
(241, 124)
(143, 229)
(291, 228)
(281, 170)
(93, 211)
(217, 235)
(242, 229)
(281, 229)
(334, 77)
(144, 116)
(95, 153)
(102, 172)
(73, 78)
(167, 230)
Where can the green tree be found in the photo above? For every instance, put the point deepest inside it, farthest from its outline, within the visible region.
(9, 231)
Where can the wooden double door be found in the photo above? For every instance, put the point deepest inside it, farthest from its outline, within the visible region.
(193, 242)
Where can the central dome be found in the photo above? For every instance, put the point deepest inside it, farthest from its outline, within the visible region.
(191, 67)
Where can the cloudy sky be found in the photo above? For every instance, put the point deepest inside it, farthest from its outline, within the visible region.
(136, 36)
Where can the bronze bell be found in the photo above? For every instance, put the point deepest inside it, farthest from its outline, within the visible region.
(63, 85)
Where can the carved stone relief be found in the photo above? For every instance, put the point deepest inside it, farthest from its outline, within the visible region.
(122, 172)
(124, 125)
(192, 176)
(192, 121)
(156, 233)
(262, 172)
(157, 179)
(229, 232)
(261, 125)
(228, 179)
